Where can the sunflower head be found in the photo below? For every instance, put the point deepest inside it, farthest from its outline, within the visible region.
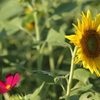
(87, 39)
(30, 26)
(28, 10)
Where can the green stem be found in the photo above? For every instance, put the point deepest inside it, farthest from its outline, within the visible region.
(41, 56)
(6, 96)
(36, 26)
(51, 60)
(60, 59)
(37, 39)
(71, 75)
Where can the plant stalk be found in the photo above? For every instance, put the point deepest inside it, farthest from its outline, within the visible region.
(67, 97)
(36, 26)
(37, 38)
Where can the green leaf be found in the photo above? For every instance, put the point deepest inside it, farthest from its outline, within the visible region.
(30, 97)
(28, 17)
(65, 44)
(44, 76)
(19, 65)
(61, 72)
(37, 91)
(65, 7)
(35, 95)
(74, 97)
(10, 58)
(13, 26)
(82, 75)
(56, 17)
(16, 97)
(90, 96)
(81, 90)
(79, 84)
(3, 33)
(35, 44)
(9, 8)
(53, 36)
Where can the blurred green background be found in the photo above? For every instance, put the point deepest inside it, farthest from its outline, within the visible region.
(32, 38)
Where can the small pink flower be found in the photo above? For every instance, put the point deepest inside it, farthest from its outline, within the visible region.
(11, 81)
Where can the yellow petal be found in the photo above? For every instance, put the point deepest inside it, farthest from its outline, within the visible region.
(79, 25)
(78, 32)
(74, 39)
(79, 53)
(96, 68)
(88, 64)
(89, 20)
(98, 29)
(71, 37)
(97, 22)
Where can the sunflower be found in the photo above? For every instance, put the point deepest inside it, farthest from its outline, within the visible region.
(87, 39)
(30, 26)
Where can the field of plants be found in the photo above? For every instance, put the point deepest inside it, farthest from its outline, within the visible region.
(41, 58)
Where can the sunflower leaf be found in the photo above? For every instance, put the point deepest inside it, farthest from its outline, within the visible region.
(35, 95)
(90, 96)
(53, 35)
(65, 7)
(82, 75)
(9, 8)
(81, 90)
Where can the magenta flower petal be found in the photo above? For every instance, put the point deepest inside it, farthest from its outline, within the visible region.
(3, 90)
(15, 79)
(2, 84)
(10, 82)
(9, 79)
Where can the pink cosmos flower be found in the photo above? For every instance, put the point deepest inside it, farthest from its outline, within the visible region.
(11, 81)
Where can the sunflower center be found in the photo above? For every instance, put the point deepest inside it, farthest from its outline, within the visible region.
(8, 86)
(91, 43)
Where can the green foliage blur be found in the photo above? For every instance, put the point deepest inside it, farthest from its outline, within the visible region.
(32, 43)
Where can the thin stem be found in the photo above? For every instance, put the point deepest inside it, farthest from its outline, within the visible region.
(37, 39)
(36, 26)
(60, 58)
(51, 60)
(63, 88)
(41, 56)
(71, 75)
(6, 96)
